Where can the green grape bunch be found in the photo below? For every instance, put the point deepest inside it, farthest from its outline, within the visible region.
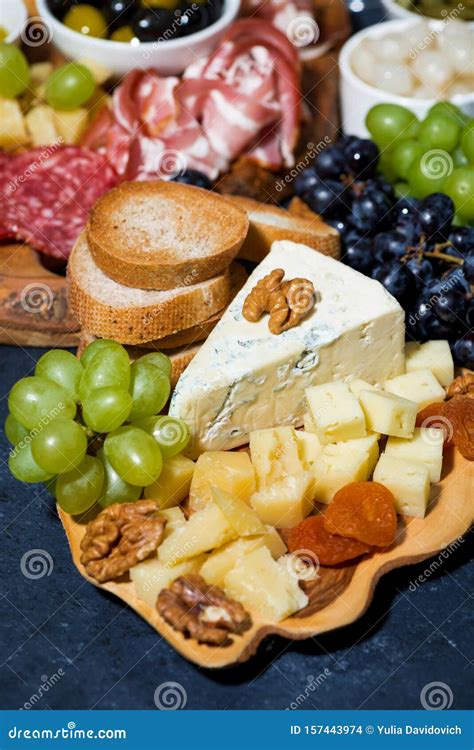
(91, 428)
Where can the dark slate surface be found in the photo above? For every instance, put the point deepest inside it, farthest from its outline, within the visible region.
(91, 651)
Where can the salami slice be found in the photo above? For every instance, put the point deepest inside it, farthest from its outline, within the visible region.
(46, 195)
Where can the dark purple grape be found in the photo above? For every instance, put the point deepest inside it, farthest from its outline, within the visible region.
(389, 246)
(450, 306)
(361, 157)
(463, 351)
(357, 253)
(195, 19)
(327, 198)
(330, 163)
(379, 183)
(462, 238)
(469, 316)
(118, 12)
(59, 8)
(433, 328)
(455, 279)
(152, 24)
(405, 211)
(370, 211)
(435, 215)
(305, 181)
(398, 280)
(342, 225)
(422, 270)
(468, 266)
(194, 177)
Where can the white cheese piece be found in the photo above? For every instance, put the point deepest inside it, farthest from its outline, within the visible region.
(389, 414)
(342, 463)
(420, 386)
(245, 378)
(336, 412)
(425, 447)
(408, 481)
(432, 355)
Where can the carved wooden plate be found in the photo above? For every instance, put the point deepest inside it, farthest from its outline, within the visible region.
(340, 595)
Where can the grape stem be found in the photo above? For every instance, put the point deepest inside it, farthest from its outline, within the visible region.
(442, 256)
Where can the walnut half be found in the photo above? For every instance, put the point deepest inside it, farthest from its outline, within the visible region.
(121, 536)
(461, 386)
(204, 612)
(287, 302)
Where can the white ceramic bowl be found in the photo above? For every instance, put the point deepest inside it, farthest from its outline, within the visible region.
(357, 97)
(13, 17)
(168, 57)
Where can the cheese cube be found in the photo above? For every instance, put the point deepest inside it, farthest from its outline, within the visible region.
(40, 125)
(425, 447)
(389, 414)
(420, 386)
(263, 586)
(71, 125)
(369, 446)
(231, 472)
(286, 502)
(173, 484)
(340, 464)
(336, 412)
(309, 448)
(274, 453)
(151, 576)
(309, 423)
(432, 355)
(207, 529)
(222, 560)
(175, 519)
(241, 517)
(357, 385)
(408, 481)
(12, 125)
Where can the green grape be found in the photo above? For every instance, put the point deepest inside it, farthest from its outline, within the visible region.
(404, 154)
(172, 435)
(123, 34)
(59, 446)
(428, 173)
(80, 488)
(440, 132)
(14, 431)
(160, 360)
(459, 157)
(388, 122)
(69, 86)
(448, 109)
(467, 141)
(105, 409)
(24, 467)
(87, 20)
(460, 188)
(97, 346)
(62, 368)
(134, 455)
(34, 400)
(150, 389)
(51, 485)
(14, 71)
(115, 489)
(386, 166)
(3, 33)
(109, 367)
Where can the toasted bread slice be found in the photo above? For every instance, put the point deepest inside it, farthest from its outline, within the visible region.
(133, 316)
(163, 235)
(269, 223)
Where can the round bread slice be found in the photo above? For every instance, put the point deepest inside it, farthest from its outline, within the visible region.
(163, 235)
(134, 316)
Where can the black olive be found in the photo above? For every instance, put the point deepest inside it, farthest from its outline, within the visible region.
(197, 16)
(59, 8)
(118, 12)
(154, 24)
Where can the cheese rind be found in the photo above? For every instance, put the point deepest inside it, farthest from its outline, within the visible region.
(245, 378)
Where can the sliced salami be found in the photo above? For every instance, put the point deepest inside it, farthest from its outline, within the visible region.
(46, 195)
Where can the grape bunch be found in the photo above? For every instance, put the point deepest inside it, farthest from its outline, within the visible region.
(411, 246)
(91, 429)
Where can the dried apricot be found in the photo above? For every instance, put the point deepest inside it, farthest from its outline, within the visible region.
(459, 411)
(434, 415)
(364, 511)
(330, 549)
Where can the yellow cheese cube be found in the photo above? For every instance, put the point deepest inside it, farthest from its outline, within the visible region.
(273, 541)
(432, 355)
(389, 414)
(263, 586)
(41, 127)
(100, 73)
(367, 446)
(222, 560)
(71, 125)
(40, 72)
(12, 125)
(241, 517)
(274, 453)
(336, 412)
(286, 502)
(338, 465)
(357, 385)
(425, 447)
(230, 471)
(206, 529)
(419, 386)
(173, 484)
(309, 423)
(408, 481)
(309, 448)
(151, 576)
(175, 519)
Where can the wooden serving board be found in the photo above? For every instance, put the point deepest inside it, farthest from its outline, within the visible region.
(340, 595)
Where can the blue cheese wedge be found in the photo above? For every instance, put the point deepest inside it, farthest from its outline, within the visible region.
(245, 378)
